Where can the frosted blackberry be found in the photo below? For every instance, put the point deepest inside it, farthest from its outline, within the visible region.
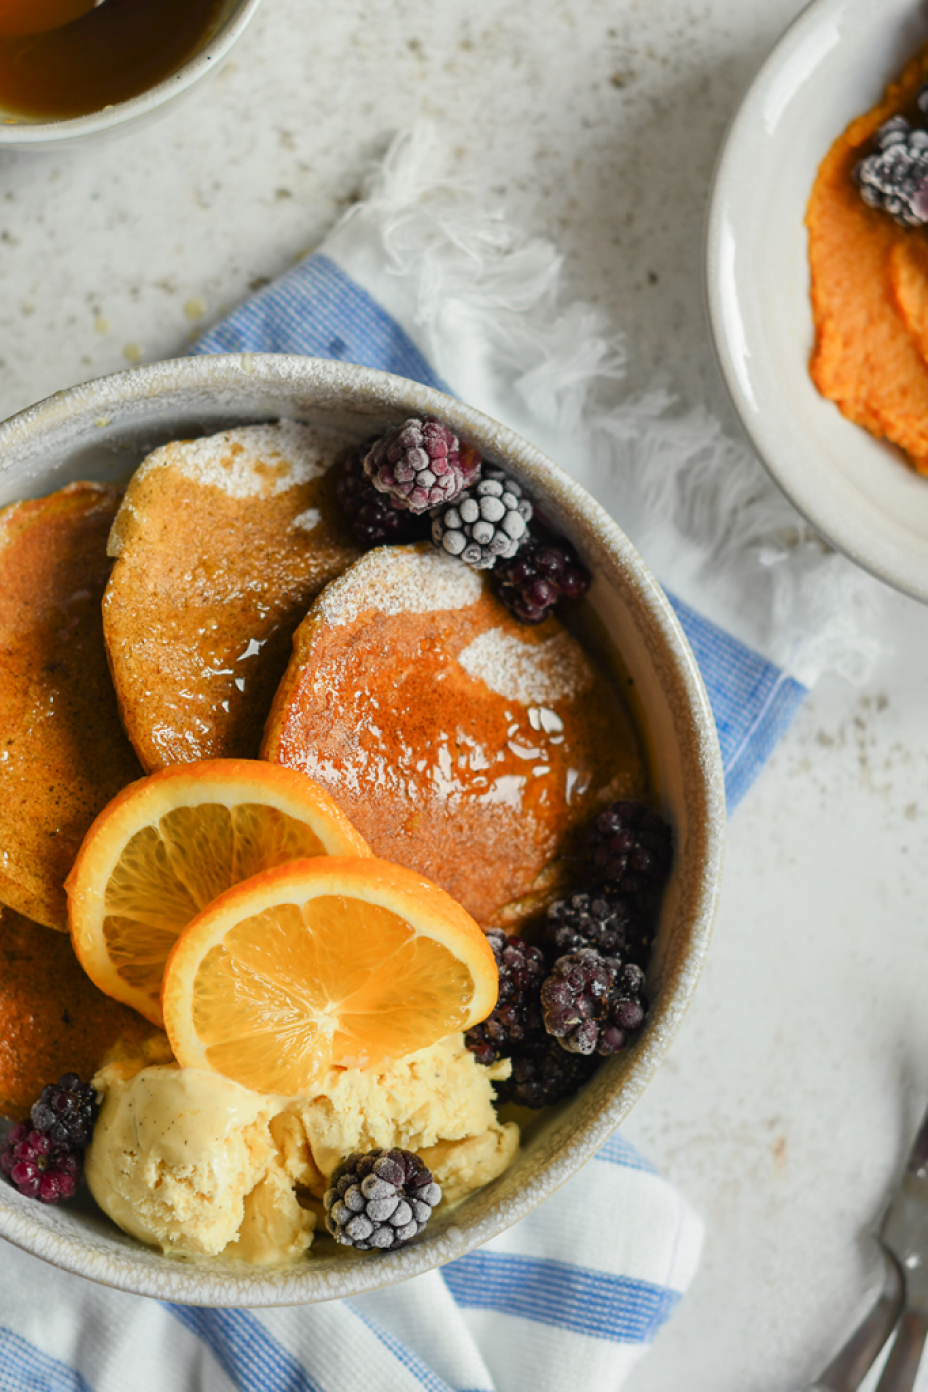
(66, 1112)
(543, 572)
(543, 1073)
(611, 923)
(421, 464)
(488, 521)
(39, 1168)
(380, 1200)
(517, 1015)
(372, 516)
(629, 846)
(593, 1004)
(894, 177)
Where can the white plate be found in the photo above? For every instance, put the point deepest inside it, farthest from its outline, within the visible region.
(831, 65)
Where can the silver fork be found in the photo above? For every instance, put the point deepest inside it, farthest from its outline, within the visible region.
(903, 1302)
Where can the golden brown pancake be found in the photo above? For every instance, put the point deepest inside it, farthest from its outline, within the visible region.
(221, 544)
(63, 753)
(53, 1019)
(460, 742)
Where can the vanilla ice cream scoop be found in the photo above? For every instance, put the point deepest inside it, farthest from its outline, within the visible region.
(191, 1162)
(175, 1154)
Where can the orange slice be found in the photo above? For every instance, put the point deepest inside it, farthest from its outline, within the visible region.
(325, 963)
(169, 845)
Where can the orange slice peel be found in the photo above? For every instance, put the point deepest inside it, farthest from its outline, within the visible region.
(168, 845)
(326, 963)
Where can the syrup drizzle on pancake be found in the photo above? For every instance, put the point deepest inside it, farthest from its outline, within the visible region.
(459, 742)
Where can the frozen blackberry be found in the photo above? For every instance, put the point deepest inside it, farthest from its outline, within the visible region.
(543, 1073)
(66, 1112)
(532, 582)
(487, 522)
(517, 1015)
(420, 464)
(592, 1004)
(372, 517)
(894, 177)
(379, 1200)
(629, 846)
(39, 1168)
(612, 923)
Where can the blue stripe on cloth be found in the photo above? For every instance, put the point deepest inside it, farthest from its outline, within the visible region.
(404, 1355)
(250, 1357)
(618, 1151)
(752, 700)
(317, 310)
(594, 1303)
(24, 1368)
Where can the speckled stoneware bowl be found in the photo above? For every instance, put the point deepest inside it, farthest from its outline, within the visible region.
(100, 431)
(30, 133)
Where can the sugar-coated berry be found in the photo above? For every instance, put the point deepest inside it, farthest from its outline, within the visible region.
(516, 1017)
(420, 464)
(540, 574)
(374, 519)
(487, 522)
(379, 1201)
(629, 847)
(39, 1168)
(612, 923)
(593, 1004)
(894, 176)
(43, 1157)
(543, 1073)
(66, 1112)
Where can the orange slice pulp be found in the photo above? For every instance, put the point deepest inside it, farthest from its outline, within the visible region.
(325, 963)
(168, 845)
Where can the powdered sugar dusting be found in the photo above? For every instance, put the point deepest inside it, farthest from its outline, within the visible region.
(400, 580)
(532, 673)
(249, 462)
(307, 520)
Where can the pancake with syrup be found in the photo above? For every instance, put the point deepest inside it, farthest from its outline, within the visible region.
(461, 743)
(63, 753)
(221, 544)
(53, 1019)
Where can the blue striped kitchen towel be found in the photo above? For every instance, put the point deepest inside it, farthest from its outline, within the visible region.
(557, 1301)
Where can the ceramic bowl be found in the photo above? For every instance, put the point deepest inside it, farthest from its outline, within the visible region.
(101, 430)
(831, 65)
(31, 133)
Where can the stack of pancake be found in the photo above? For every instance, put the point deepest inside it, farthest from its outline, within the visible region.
(219, 608)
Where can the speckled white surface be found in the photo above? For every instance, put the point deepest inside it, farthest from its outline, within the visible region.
(787, 1100)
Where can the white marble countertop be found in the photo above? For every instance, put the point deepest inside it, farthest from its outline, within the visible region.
(790, 1095)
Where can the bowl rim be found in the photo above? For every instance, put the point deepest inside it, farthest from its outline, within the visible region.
(834, 506)
(28, 132)
(337, 385)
